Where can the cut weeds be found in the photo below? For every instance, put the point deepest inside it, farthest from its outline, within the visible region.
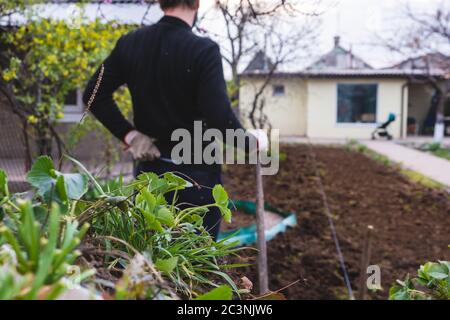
(138, 246)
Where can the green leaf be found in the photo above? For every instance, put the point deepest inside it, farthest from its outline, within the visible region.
(165, 216)
(434, 270)
(149, 198)
(41, 214)
(196, 219)
(154, 183)
(151, 222)
(226, 213)
(4, 192)
(166, 265)
(76, 184)
(61, 190)
(88, 174)
(220, 196)
(175, 182)
(221, 199)
(398, 293)
(446, 265)
(161, 200)
(223, 292)
(41, 175)
(54, 185)
(438, 275)
(47, 253)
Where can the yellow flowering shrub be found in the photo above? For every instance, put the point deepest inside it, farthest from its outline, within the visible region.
(49, 58)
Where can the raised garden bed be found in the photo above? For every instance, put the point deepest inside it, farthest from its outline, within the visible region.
(411, 221)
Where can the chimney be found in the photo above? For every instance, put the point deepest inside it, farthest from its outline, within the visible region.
(337, 40)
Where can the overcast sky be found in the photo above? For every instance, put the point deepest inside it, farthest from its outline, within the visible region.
(356, 21)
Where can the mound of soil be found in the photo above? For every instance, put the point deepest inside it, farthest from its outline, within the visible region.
(411, 222)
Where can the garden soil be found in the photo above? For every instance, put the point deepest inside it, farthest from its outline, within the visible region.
(412, 223)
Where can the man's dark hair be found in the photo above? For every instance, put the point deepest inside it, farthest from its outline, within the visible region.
(166, 4)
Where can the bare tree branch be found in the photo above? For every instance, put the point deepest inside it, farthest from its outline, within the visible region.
(423, 40)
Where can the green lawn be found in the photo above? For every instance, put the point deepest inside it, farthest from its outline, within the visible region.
(438, 151)
(442, 153)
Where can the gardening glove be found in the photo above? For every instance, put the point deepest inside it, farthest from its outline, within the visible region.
(141, 146)
(261, 138)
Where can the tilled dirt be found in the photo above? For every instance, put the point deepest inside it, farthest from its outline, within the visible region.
(412, 223)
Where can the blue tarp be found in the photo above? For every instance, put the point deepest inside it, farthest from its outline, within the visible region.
(247, 235)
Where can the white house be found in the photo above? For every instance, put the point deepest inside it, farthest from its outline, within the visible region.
(341, 96)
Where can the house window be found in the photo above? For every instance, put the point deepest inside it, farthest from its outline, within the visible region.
(278, 90)
(357, 103)
(73, 106)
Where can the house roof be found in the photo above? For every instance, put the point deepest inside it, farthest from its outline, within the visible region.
(369, 73)
(432, 63)
(260, 62)
(339, 59)
(342, 63)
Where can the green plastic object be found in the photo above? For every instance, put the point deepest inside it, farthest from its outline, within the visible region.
(247, 235)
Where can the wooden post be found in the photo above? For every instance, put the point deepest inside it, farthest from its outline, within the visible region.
(260, 227)
(365, 259)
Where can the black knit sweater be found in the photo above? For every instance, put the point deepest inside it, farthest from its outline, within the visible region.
(174, 78)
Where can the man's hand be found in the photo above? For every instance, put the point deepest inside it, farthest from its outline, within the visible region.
(141, 146)
(261, 138)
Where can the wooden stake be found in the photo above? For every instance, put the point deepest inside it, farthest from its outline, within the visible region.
(365, 259)
(261, 230)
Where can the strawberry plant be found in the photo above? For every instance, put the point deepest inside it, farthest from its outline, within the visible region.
(432, 282)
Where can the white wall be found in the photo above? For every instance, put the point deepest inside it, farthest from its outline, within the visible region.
(287, 113)
(322, 108)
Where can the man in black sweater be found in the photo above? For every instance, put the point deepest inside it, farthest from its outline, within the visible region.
(175, 78)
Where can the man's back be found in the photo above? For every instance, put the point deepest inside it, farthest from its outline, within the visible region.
(164, 72)
(174, 77)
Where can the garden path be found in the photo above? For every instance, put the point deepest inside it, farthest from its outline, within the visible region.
(424, 163)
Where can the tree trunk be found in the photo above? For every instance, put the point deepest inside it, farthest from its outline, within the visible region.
(235, 96)
(439, 127)
(28, 153)
(44, 139)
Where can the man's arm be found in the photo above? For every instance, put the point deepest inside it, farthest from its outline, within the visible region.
(213, 99)
(104, 107)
